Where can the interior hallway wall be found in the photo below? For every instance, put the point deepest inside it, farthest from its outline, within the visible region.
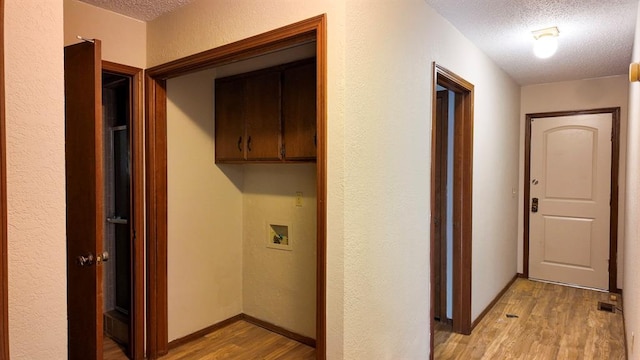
(36, 209)
(586, 94)
(632, 213)
(124, 40)
(391, 47)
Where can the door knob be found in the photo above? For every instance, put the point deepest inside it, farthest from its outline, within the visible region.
(103, 257)
(85, 260)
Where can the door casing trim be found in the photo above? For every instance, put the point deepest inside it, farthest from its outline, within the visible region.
(156, 165)
(462, 197)
(615, 168)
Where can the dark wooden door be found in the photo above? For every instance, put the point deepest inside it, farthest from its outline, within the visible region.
(299, 111)
(440, 215)
(229, 120)
(262, 104)
(84, 189)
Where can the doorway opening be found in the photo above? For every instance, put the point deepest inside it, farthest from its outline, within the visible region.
(451, 191)
(443, 217)
(306, 31)
(123, 273)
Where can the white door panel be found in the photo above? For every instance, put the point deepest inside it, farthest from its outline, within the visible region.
(571, 178)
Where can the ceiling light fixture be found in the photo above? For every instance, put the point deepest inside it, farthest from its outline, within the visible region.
(546, 42)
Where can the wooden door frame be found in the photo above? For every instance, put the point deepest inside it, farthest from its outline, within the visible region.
(136, 139)
(156, 165)
(615, 165)
(462, 196)
(4, 282)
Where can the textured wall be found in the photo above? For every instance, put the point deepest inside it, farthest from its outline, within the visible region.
(124, 40)
(632, 215)
(279, 286)
(35, 179)
(578, 95)
(205, 214)
(390, 49)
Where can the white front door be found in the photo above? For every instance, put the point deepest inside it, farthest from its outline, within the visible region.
(571, 184)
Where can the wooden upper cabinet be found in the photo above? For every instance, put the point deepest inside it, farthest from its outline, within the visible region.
(262, 116)
(230, 136)
(267, 115)
(299, 111)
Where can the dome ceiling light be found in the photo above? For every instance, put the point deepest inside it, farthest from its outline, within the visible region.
(546, 42)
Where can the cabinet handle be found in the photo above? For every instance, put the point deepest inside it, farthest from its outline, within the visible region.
(240, 144)
(249, 143)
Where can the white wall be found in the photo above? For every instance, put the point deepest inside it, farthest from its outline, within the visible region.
(577, 95)
(123, 38)
(390, 49)
(279, 286)
(632, 214)
(204, 214)
(35, 179)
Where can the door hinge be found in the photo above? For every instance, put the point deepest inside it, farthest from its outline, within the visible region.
(282, 151)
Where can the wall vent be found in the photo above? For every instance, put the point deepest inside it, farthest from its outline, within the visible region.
(602, 306)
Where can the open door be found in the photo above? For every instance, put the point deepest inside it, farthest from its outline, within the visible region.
(85, 210)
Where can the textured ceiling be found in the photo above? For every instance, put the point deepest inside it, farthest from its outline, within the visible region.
(596, 36)
(145, 10)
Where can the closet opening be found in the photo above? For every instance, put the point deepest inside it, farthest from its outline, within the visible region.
(161, 82)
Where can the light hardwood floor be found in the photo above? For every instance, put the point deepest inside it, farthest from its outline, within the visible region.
(238, 341)
(554, 322)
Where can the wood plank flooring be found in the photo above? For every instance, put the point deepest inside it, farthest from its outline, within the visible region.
(112, 350)
(238, 341)
(554, 322)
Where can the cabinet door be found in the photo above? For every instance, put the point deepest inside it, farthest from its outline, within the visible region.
(229, 120)
(299, 112)
(262, 106)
